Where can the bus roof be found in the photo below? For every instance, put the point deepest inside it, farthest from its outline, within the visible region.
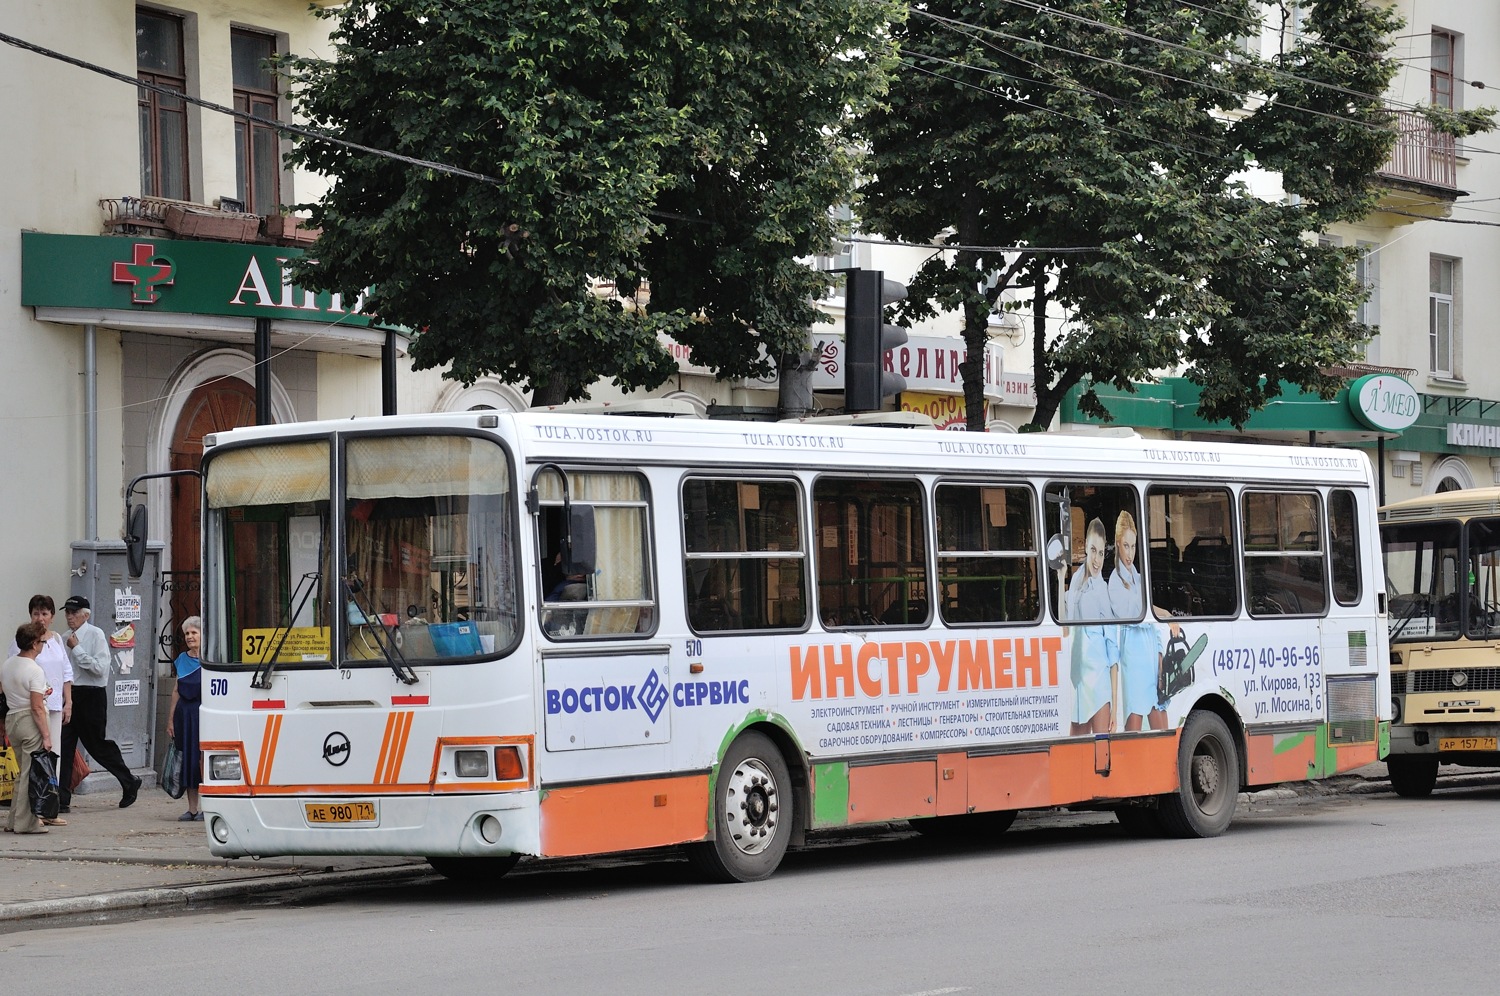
(1444, 505)
(568, 437)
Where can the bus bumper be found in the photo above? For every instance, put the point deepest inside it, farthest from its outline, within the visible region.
(480, 825)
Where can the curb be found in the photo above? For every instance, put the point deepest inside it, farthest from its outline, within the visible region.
(187, 895)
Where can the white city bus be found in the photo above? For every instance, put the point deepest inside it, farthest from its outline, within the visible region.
(480, 636)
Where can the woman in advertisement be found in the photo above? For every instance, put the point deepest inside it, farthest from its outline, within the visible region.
(1140, 641)
(1095, 648)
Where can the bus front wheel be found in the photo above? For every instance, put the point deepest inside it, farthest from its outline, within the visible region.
(753, 812)
(1412, 775)
(1208, 780)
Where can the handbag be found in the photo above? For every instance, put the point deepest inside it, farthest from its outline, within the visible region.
(170, 777)
(81, 769)
(42, 784)
(10, 770)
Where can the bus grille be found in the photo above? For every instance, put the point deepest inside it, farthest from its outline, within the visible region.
(1351, 710)
(1441, 679)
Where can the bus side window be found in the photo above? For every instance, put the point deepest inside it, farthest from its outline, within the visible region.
(1343, 548)
(1191, 553)
(872, 552)
(617, 583)
(1285, 566)
(744, 561)
(987, 554)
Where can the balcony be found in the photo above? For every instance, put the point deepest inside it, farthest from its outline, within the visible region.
(1421, 175)
(162, 218)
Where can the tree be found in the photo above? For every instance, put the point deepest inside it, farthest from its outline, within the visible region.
(695, 146)
(1110, 140)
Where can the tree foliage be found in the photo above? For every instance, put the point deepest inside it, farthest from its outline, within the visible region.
(695, 146)
(1126, 128)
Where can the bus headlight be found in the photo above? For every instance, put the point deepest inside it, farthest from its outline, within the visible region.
(471, 763)
(224, 768)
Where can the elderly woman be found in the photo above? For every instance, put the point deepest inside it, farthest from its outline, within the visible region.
(57, 664)
(187, 696)
(26, 689)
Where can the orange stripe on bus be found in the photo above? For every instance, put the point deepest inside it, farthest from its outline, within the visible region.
(400, 731)
(1058, 775)
(615, 816)
(385, 747)
(268, 749)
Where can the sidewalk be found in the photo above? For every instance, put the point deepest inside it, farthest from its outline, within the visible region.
(109, 859)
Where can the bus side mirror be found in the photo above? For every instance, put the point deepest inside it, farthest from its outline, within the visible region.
(135, 541)
(579, 554)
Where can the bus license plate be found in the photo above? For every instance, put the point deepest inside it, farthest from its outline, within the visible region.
(1467, 743)
(337, 813)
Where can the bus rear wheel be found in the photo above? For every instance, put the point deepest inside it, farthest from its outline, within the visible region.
(965, 826)
(477, 872)
(1412, 775)
(1208, 780)
(753, 812)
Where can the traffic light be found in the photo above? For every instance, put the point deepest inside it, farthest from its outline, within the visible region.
(867, 338)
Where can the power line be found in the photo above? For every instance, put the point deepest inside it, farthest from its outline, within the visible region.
(280, 126)
(952, 24)
(957, 247)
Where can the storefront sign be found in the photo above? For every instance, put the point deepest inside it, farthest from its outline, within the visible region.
(117, 273)
(1473, 434)
(1385, 402)
(946, 410)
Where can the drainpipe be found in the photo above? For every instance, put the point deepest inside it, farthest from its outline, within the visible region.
(388, 375)
(263, 372)
(90, 433)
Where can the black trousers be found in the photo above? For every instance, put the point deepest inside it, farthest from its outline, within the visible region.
(90, 713)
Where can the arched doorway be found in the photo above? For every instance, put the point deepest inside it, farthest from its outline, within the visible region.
(215, 405)
(1451, 473)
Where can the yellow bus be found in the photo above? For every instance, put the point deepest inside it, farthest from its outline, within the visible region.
(1442, 565)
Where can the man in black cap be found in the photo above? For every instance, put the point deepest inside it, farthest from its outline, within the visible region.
(90, 650)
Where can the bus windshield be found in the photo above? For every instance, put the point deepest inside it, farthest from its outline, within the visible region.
(426, 569)
(1444, 579)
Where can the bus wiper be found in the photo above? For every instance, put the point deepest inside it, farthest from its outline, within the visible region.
(385, 636)
(269, 656)
(1407, 616)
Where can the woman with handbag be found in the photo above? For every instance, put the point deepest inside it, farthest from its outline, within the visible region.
(57, 664)
(23, 681)
(187, 695)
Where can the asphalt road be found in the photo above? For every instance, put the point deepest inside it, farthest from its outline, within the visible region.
(1348, 894)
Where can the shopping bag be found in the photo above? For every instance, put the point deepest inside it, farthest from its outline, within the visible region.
(42, 784)
(81, 769)
(171, 771)
(10, 770)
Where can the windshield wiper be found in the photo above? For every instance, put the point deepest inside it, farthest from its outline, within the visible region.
(385, 636)
(272, 653)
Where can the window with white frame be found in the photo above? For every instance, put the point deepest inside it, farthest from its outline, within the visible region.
(1442, 325)
(1367, 273)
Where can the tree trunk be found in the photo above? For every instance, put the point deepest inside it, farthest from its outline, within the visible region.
(551, 393)
(795, 393)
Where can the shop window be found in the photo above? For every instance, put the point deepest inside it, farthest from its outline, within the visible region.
(162, 115)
